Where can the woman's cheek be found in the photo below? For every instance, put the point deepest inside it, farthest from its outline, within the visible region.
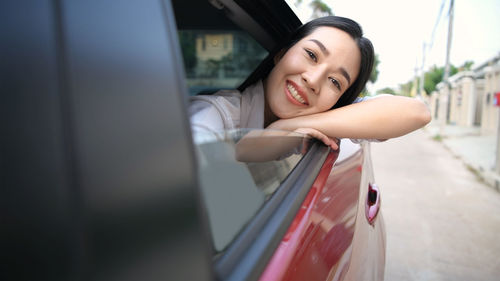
(329, 103)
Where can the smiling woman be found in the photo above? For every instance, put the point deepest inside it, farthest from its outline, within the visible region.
(311, 84)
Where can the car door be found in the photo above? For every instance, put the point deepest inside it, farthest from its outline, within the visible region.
(97, 167)
(325, 231)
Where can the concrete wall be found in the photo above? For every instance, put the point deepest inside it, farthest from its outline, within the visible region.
(463, 99)
(434, 104)
(489, 118)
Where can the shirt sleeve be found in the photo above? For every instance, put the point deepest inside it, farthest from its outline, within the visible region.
(206, 121)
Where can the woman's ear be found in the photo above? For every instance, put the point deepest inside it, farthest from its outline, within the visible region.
(279, 55)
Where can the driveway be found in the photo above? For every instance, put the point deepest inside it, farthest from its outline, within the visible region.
(442, 222)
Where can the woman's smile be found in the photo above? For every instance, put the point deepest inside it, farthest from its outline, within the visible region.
(295, 95)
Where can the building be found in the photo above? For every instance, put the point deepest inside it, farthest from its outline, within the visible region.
(466, 91)
(490, 70)
(469, 98)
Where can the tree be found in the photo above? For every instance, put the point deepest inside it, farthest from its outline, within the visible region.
(466, 66)
(320, 9)
(435, 76)
(188, 46)
(386, 90)
(374, 74)
(405, 89)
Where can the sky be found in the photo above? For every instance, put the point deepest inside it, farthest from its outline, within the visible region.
(399, 28)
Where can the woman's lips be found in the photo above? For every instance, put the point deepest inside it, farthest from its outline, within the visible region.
(294, 95)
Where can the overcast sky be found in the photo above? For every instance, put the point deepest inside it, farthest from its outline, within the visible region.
(398, 28)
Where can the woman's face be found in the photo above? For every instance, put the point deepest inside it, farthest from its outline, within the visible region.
(313, 74)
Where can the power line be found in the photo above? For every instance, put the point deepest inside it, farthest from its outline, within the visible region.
(427, 48)
(436, 24)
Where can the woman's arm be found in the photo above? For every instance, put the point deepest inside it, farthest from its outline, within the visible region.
(382, 117)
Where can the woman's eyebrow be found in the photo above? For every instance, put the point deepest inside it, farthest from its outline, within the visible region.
(346, 75)
(321, 46)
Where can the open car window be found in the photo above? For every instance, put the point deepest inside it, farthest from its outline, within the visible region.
(239, 172)
(217, 53)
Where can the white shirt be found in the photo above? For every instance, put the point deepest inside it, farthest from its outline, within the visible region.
(227, 110)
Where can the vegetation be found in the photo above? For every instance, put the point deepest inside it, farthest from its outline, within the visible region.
(188, 47)
(320, 9)
(375, 72)
(431, 78)
(437, 138)
(435, 76)
(405, 89)
(387, 90)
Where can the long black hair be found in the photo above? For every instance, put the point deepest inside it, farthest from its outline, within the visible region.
(347, 25)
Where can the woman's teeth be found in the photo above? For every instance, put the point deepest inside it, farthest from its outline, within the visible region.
(295, 94)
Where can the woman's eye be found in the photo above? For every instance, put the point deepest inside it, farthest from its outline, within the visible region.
(311, 55)
(335, 83)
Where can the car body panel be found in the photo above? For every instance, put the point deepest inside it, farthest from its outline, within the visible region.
(320, 242)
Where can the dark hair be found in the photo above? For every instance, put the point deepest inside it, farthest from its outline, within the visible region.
(345, 24)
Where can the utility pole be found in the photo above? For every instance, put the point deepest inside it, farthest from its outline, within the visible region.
(448, 43)
(422, 72)
(415, 80)
(446, 77)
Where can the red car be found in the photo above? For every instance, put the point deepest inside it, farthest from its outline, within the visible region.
(102, 180)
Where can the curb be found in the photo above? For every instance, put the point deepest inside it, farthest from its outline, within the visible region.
(483, 174)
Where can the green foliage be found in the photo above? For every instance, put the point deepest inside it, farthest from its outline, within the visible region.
(466, 66)
(405, 89)
(320, 9)
(432, 78)
(188, 47)
(375, 72)
(435, 76)
(387, 90)
(438, 138)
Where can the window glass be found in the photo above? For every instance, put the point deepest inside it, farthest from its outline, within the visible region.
(239, 171)
(218, 59)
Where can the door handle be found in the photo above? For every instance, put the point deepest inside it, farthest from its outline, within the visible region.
(372, 203)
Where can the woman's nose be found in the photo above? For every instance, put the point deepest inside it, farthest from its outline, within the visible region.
(312, 79)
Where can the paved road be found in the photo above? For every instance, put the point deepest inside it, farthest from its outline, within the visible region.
(442, 223)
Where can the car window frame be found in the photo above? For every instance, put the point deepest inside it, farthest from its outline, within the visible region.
(248, 255)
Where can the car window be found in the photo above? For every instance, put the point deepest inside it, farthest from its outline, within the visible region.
(218, 59)
(236, 184)
(217, 53)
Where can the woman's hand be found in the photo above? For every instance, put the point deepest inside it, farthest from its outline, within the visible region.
(331, 142)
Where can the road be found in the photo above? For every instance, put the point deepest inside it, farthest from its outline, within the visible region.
(442, 223)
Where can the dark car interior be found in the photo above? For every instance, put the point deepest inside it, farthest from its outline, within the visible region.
(98, 170)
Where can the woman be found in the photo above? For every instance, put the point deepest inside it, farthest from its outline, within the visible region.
(310, 85)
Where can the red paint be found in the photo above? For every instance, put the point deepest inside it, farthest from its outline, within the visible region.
(360, 168)
(496, 100)
(322, 231)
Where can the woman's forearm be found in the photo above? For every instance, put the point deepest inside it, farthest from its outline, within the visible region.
(377, 118)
